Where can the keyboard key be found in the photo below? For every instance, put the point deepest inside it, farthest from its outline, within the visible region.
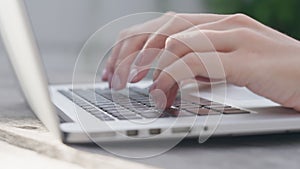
(125, 113)
(129, 118)
(203, 111)
(190, 106)
(178, 113)
(150, 114)
(216, 105)
(104, 117)
(221, 109)
(235, 111)
(107, 119)
(138, 105)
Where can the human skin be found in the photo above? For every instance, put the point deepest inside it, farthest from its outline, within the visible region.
(245, 52)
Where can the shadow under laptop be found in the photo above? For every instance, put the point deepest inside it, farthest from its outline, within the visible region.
(148, 149)
(266, 140)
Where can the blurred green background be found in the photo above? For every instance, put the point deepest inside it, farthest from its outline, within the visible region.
(282, 15)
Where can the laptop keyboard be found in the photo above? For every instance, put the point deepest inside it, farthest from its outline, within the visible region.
(108, 106)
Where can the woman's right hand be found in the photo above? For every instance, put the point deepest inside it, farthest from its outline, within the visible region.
(252, 55)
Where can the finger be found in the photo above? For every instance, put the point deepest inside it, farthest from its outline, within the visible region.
(134, 39)
(112, 60)
(171, 96)
(212, 65)
(196, 41)
(126, 57)
(110, 63)
(149, 26)
(177, 23)
(241, 21)
(119, 79)
(226, 23)
(137, 73)
(164, 100)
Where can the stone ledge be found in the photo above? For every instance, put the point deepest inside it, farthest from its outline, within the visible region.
(33, 136)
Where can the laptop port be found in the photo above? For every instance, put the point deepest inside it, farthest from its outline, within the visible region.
(101, 135)
(132, 132)
(154, 131)
(181, 130)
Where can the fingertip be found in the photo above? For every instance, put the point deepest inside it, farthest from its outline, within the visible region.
(104, 76)
(117, 82)
(153, 86)
(109, 79)
(138, 77)
(120, 77)
(105, 79)
(135, 79)
(132, 75)
(164, 81)
(171, 95)
(159, 98)
(155, 74)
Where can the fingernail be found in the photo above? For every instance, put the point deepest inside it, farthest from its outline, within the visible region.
(110, 76)
(152, 87)
(139, 59)
(158, 98)
(132, 75)
(155, 74)
(104, 74)
(116, 82)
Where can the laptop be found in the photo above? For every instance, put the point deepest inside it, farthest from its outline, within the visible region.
(92, 112)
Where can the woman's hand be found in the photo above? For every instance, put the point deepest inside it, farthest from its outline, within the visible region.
(236, 48)
(138, 39)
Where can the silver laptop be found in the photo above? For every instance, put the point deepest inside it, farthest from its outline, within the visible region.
(92, 112)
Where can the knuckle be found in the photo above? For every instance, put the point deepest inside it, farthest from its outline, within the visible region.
(132, 36)
(176, 16)
(128, 33)
(238, 18)
(173, 42)
(171, 22)
(168, 16)
(156, 41)
(178, 20)
(170, 13)
(175, 19)
(124, 33)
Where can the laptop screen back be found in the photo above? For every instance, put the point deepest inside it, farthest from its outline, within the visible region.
(22, 49)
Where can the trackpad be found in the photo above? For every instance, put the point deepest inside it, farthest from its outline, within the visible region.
(234, 95)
